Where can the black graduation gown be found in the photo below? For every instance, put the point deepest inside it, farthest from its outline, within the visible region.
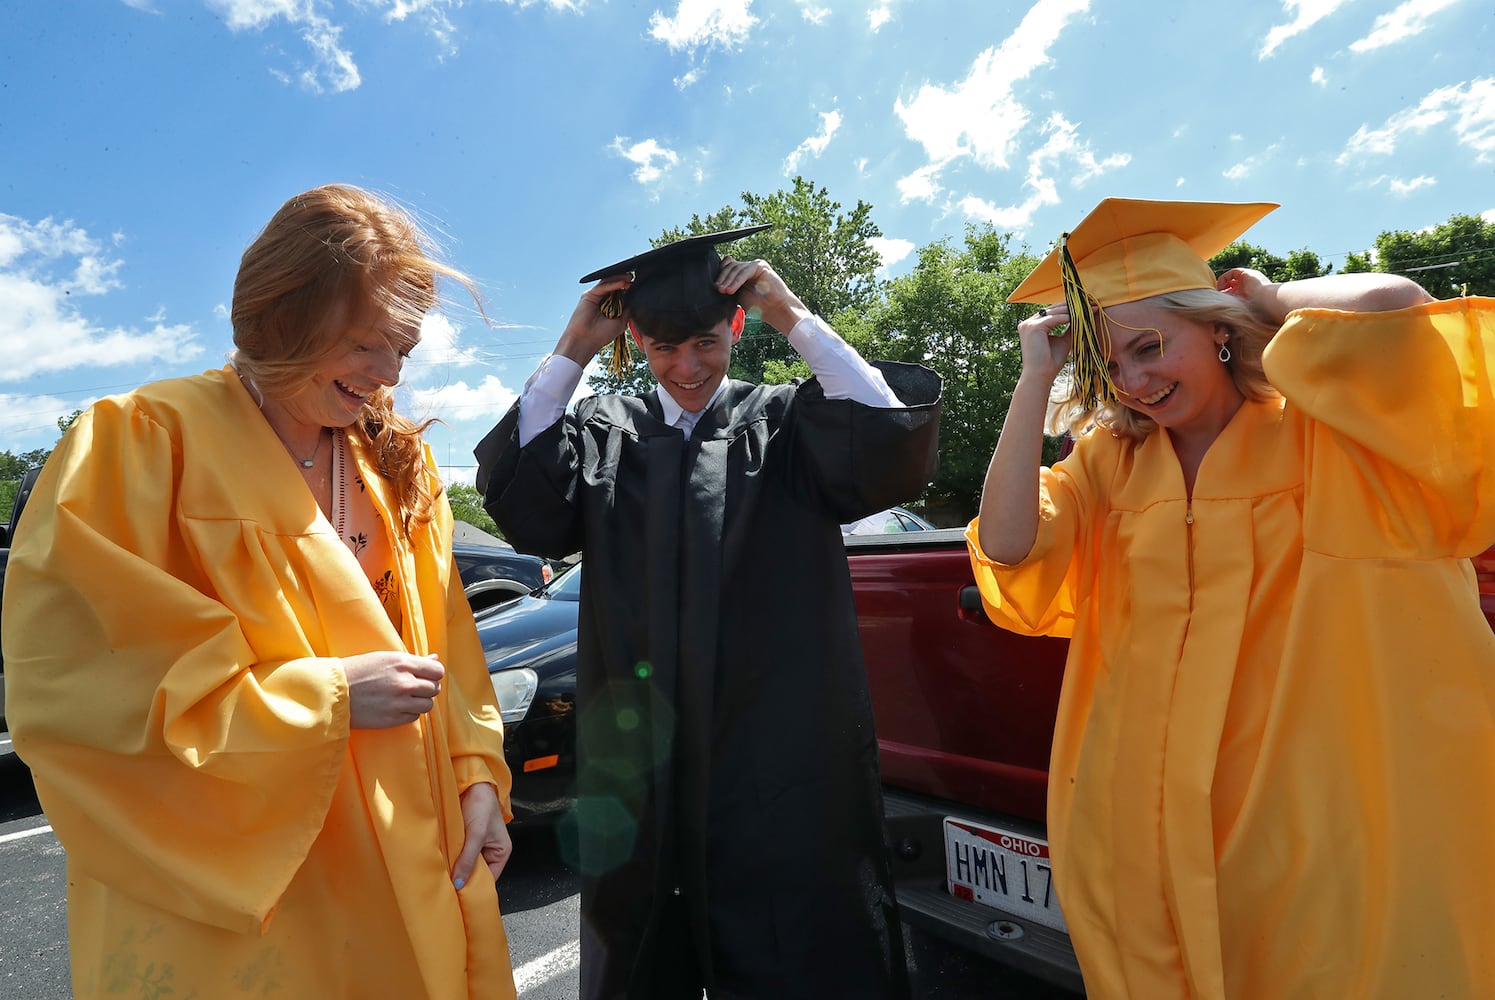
(724, 735)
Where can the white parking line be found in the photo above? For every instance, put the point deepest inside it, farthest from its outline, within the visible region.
(547, 967)
(22, 834)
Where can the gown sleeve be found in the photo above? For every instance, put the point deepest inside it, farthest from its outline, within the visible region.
(532, 491)
(861, 459)
(476, 736)
(1040, 594)
(1403, 403)
(172, 764)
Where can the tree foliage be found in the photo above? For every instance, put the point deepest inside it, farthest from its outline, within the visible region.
(951, 314)
(1297, 264)
(467, 505)
(1448, 260)
(821, 252)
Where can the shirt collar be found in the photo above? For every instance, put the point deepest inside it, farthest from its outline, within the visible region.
(672, 409)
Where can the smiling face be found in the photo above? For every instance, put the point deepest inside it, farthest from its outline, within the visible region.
(368, 356)
(691, 370)
(1167, 367)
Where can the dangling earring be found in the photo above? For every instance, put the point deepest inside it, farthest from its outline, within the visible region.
(1224, 354)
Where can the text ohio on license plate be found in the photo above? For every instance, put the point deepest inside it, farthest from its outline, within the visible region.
(1001, 869)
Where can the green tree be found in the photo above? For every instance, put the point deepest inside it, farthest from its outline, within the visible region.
(1447, 260)
(1297, 264)
(467, 505)
(951, 314)
(823, 253)
(12, 467)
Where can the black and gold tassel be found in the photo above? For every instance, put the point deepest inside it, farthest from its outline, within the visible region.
(1091, 339)
(619, 361)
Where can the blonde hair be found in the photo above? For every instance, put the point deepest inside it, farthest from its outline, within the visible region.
(340, 246)
(1249, 336)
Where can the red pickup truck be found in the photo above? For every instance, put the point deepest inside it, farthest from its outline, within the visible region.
(965, 715)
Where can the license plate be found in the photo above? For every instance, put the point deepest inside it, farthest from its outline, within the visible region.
(1001, 869)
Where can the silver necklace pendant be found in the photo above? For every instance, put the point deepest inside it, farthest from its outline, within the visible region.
(307, 463)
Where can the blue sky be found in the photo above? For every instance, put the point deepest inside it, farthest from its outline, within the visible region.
(144, 142)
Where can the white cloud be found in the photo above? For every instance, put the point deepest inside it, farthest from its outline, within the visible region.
(688, 79)
(1488, 215)
(1062, 145)
(1468, 108)
(1410, 19)
(1016, 217)
(432, 12)
(245, 14)
(441, 343)
(701, 24)
(142, 5)
(1401, 187)
(879, 16)
(29, 418)
(459, 402)
(1305, 14)
(921, 185)
(46, 269)
(815, 15)
(652, 160)
(830, 121)
(1250, 164)
(333, 67)
(979, 117)
(890, 251)
(1318, 76)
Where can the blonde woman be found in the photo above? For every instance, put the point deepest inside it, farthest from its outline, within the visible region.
(1273, 770)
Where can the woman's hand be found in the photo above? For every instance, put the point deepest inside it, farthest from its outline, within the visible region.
(390, 689)
(483, 832)
(1256, 290)
(759, 289)
(588, 331)
(1046, 343)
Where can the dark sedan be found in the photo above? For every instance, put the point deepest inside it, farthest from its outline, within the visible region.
(492, 572)
(530, 643)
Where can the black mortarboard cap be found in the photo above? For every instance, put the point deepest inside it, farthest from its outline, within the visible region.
(677, 276)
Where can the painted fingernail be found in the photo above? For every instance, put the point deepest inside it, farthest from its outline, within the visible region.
(459, 883)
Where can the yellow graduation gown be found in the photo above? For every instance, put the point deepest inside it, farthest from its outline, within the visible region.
(172, 606)
(1273, 772)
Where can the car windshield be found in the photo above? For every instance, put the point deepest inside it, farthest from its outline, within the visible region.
(566, 586)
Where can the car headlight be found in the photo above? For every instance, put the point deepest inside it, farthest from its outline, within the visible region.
(515, 690)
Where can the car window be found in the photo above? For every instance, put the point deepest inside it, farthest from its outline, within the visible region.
(566, 586)
(873, 524)
(912, 522)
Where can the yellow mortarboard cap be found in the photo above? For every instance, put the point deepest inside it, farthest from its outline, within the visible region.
(1129, 248)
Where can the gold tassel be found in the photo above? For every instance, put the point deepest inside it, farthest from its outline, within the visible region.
(1090, 340)
(621, 359)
